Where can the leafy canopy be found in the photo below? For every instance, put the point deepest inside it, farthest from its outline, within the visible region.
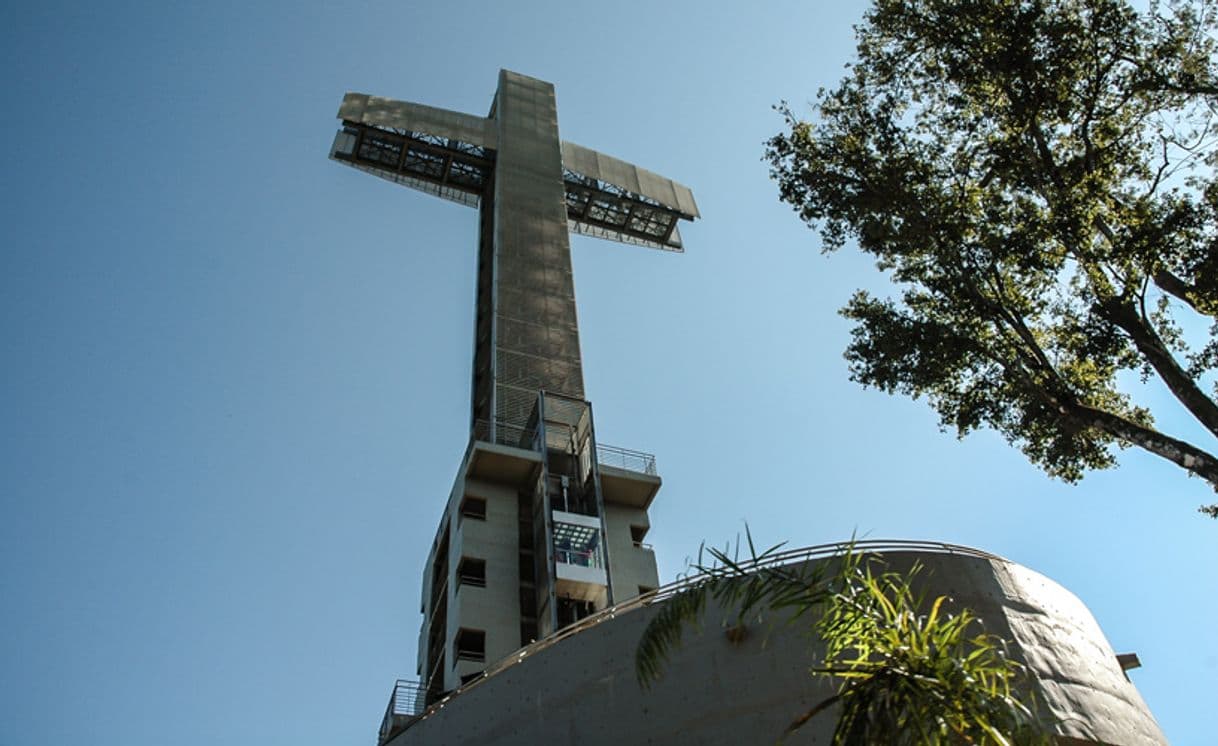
(1037, 178)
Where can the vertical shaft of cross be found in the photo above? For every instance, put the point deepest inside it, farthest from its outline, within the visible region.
(531, 189)
(542, 534)
(527, 337)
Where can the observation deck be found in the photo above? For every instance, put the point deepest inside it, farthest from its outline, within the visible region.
(513, 455)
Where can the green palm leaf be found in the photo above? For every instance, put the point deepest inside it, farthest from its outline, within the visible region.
(905, 677)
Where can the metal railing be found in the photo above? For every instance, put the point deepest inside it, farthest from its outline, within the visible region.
(580, 557)
(624, 458)
(806, 554)
(407, 698)
(407, 701)
(506, 434)
(519, 436)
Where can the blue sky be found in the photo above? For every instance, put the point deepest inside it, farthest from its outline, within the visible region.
(236, 374)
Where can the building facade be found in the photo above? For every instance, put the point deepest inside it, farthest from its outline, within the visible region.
(544, 526)
(529, 545)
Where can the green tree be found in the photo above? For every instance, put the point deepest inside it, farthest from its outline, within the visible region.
(906, 676)
(1037, 177)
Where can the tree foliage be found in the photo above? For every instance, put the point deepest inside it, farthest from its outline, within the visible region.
(1037, 177)
(906, 675)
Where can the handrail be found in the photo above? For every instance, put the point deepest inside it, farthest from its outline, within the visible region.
(624, 458)
(407, 700)
(506, 433)
(513, 434)
(407, 697)
(663, 593)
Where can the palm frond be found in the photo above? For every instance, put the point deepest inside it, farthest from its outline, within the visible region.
(905, 677)
(739, 587)
(908, 677)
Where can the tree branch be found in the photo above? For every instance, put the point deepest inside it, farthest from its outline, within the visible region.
(1177, 451)
(1014, 322)
(1182, 386)
(1169, 283)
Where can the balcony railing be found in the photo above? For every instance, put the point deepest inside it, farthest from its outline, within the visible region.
(506, 434)
(519, 436)
(583, 558)
(624, 458)
(407, 698)
(405, 704)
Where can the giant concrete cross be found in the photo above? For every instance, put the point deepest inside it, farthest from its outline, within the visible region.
(530, 188)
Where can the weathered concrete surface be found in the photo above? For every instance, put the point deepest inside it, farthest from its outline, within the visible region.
(582, 690)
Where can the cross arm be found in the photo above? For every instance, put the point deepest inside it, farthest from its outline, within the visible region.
(388, 113)
(610, 198)
(445, 153)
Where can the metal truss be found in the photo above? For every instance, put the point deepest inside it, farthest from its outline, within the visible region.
(447, 168)
(606, 210)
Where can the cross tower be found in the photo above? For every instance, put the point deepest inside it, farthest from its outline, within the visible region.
(543, 526)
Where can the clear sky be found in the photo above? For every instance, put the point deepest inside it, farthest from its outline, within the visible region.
(235, 374)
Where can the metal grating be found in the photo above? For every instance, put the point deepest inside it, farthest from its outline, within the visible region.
(605, 210)
(577, 545)
(444, 167)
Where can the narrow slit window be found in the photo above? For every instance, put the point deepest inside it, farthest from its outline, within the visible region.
(637, 534)
(470, 645)
(528, 633)
(473, 507)
(472, 571)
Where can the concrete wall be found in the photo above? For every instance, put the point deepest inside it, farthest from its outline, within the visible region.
(632, 566)
(582, 689)
(494, 609)
(426, 586)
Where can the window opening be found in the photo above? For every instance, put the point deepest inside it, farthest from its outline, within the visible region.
(474, 507)
(528, 632)
(470, 645)
(571, 610)
(577, 545)
(471, 571)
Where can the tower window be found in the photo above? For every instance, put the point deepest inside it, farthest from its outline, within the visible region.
(471, 571)
(470, 645)
(525, 562)
(576, 544)
(473, 507)
(571, 610)
(638, 533)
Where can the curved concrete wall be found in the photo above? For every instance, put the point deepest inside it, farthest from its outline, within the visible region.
(582, 690)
